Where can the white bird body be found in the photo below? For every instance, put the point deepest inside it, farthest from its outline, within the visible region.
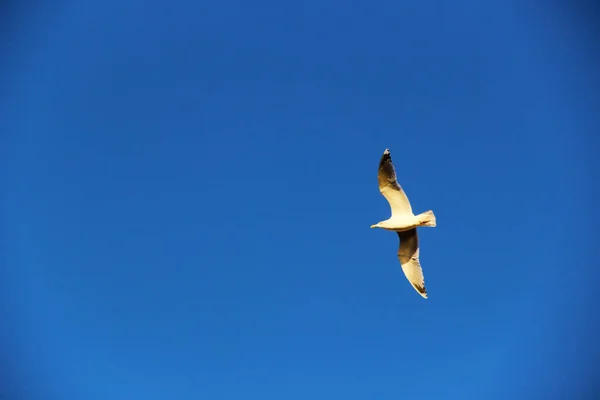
(403, 222)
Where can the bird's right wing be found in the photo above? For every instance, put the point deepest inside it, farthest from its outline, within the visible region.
(408, 254)
(389, 187)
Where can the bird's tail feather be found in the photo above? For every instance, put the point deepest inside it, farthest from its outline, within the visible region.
(427, 218)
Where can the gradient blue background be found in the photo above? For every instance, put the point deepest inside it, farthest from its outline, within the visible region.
(188, 188)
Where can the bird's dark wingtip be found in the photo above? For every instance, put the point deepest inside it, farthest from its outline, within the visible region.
(385, 156)
(422, 291)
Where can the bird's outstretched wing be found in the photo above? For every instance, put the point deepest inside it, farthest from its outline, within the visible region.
(408, 254)
(389, 187)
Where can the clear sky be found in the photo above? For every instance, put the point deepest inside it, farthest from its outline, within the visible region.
(187, 191)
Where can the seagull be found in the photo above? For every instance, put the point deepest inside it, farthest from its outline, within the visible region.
(403, 222)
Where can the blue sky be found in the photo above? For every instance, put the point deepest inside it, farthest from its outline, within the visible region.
(188, 189)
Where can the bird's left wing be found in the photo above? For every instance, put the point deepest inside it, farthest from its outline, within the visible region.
(390, 188)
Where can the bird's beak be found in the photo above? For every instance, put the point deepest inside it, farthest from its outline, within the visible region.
(373, 226)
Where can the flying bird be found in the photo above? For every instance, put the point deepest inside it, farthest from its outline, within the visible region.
(403, 222)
